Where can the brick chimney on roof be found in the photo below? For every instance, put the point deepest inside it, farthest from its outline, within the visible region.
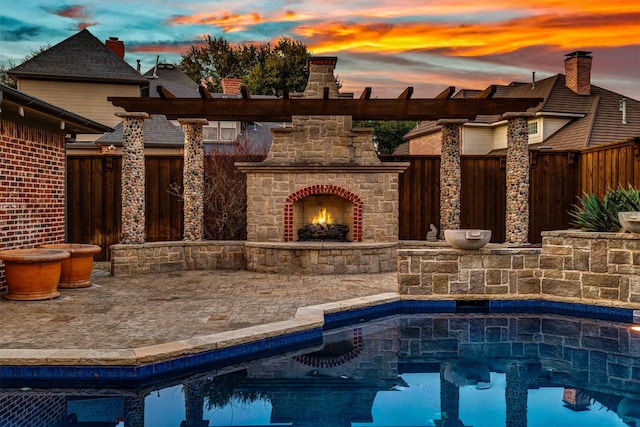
(231, 86)
(117, 46)
(577, 66)
(321, 76)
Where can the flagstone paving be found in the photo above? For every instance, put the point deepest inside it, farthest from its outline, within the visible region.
(154, 309)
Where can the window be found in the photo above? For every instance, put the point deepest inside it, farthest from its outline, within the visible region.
(533, 128)
(219, 132)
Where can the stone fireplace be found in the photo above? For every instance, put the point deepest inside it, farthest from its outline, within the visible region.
(319, 164)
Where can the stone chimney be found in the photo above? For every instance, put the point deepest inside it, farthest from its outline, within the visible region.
(321, 76)
(117, 46)
(577, 67)
(231, 86)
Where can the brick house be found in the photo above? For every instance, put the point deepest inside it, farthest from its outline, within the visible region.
(33, 137)
(574, 114)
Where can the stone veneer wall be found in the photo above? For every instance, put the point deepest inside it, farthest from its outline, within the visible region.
(283, 258)
(269, 191)
(571, 266)
(156, 257)
(321, 258)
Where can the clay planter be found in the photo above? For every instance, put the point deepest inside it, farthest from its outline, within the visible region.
(630, 221)
(76, 270)
(32, 274)
(467, 239)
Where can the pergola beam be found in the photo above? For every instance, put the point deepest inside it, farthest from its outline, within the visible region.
(281, 110)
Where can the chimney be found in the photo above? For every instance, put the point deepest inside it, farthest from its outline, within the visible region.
(117, 46)
(577, 66)
(321, 77)
(231, 86)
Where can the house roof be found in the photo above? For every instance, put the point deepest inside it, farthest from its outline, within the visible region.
(158, 132)
(81, 57)
(20, 107)
(595, 119)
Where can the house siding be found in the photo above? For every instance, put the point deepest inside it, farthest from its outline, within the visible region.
(32, 188)
(87, 99)
(551, 125)
(500, 137)
(476, 140)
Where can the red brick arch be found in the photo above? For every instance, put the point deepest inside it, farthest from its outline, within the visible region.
(323, 189)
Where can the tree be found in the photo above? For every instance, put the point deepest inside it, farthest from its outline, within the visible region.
(387, 135)
(4, 70)
(264, 69)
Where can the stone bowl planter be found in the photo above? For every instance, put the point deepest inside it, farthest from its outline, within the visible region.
(32, 274)
(467, 238)
(76, 270)
(630, 221)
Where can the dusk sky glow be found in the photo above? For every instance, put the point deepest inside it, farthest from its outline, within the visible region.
(386, 45)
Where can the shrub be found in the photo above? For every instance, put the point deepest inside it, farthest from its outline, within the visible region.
(601, 214)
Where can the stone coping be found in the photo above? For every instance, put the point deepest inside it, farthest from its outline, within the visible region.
(489, 249)
(178, 243)
(306, 318)
(321, 245)
(591, 234)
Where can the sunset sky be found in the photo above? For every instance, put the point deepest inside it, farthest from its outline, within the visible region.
(386, 45)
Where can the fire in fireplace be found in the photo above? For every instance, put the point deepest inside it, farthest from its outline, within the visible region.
(322, 227)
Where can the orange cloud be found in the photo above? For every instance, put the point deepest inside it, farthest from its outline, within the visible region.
(476, 39)
(227, 21)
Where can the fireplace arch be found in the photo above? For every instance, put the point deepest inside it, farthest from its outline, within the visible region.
(319, 190)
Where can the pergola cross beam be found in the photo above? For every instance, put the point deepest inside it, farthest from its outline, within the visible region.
(281, 110)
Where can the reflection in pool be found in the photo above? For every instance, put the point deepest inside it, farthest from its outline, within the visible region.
(409, 370)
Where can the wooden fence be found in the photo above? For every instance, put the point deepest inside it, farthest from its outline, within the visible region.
(556, 178)
(610, 165)
(94, 203)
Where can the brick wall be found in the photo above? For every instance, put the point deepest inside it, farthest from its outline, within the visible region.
(32, 197)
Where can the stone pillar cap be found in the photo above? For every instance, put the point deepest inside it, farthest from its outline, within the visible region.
(516, 114)
(125, 114)
(451, 121)
(193, 121)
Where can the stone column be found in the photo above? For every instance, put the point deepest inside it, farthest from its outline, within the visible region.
(193, 179)
(449, 398)
(450, 175)
(134, 411)
(517, 216)
(194, 404)
(516, 393)
(133, 172)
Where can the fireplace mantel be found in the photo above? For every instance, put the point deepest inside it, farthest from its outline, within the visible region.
(386, 167)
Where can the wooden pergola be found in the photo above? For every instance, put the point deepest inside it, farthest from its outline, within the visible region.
(249, 109)
(451, 113)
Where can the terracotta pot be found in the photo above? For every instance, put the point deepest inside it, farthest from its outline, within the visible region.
(32, 274)
(76, 270)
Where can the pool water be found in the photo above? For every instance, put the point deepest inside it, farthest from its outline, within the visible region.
(428, 369)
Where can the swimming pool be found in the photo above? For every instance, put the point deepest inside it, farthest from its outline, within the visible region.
(412, 369)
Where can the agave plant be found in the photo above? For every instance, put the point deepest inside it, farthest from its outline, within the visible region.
(601, 214)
